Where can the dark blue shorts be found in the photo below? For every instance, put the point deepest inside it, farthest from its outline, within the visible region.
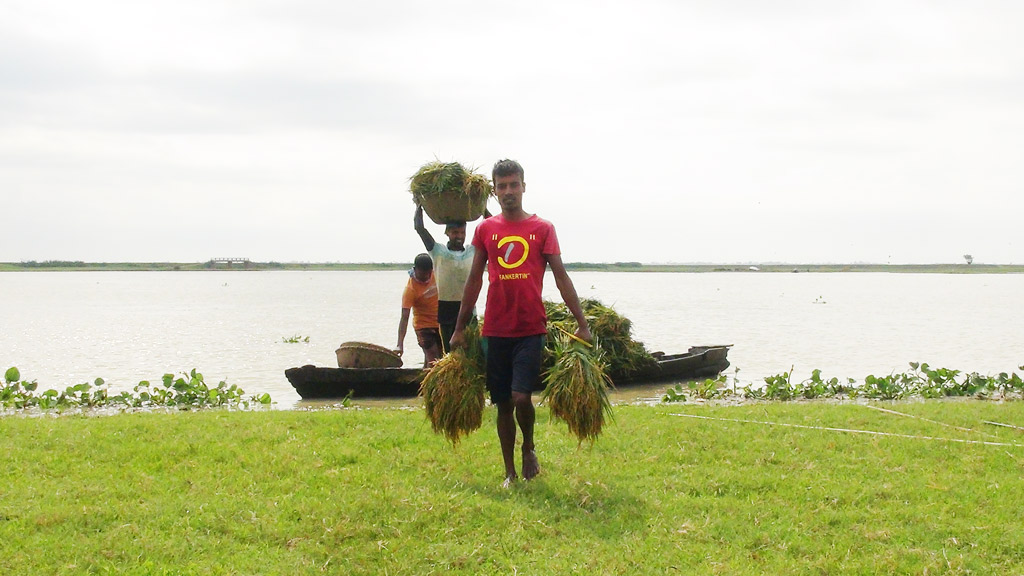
(513, 364)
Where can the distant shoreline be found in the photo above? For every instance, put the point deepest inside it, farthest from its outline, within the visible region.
(75, 266)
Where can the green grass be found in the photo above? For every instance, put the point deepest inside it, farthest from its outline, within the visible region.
(376, 492)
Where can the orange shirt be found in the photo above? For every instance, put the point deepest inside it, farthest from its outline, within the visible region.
(422, 298)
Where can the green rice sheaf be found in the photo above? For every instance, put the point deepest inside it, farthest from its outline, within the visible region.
(576, 387)
(453, 393)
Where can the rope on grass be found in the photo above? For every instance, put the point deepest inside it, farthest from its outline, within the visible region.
(852, 431)
(1003, 425)
(887, 411)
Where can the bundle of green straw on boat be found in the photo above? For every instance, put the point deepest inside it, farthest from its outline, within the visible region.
(576, 386)
(623, 354)
(454, 389)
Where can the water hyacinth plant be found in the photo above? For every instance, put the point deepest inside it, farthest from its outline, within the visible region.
(185, 392)
(922, 381)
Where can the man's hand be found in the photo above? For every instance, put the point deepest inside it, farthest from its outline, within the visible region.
(458, 340)
(583, 333)
(400, 350)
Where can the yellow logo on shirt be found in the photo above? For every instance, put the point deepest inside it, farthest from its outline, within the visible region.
(511, 241)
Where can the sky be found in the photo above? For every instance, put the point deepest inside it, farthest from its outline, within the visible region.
(655, 131)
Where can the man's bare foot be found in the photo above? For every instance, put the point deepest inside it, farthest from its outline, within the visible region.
(531, 467)
(509, 481)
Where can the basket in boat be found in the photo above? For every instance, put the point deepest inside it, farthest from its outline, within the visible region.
(449, 192)
(365, 355)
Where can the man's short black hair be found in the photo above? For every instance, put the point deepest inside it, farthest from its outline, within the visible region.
(454, 224)
(423, 262)
(507, 167)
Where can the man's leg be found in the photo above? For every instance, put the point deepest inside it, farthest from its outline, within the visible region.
(447, 316)
(447, 329)
(525, 378)
(499, 377)
(526, 416)
(507, 438)
(430, 342)
(431, 354)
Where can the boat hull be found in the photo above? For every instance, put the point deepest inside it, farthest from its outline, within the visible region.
(318, 382)
(314, 382)
(698, 362)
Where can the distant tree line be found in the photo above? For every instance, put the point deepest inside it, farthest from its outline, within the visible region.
(53, 264)
(600, 265)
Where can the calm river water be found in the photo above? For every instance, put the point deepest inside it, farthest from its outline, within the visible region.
(63, 328)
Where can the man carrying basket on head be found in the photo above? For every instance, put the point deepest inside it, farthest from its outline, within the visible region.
(452, 262)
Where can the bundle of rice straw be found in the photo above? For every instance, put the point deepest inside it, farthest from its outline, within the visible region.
(437, 177)
(454, 390)
(576, 386)
(623, 354)
(448, 191)
(475, 348)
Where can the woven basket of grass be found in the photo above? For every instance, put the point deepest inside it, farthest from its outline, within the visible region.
(576, 386)
(450, 192)
(453, 394)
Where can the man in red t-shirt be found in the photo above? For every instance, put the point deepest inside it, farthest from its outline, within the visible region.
(516, 248)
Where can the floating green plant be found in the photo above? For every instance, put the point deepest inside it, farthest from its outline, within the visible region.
(186, 391)
(921, 381)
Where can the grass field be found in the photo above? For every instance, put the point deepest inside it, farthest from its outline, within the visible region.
(357, 491)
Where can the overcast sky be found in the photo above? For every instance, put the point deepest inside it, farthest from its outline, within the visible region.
(653, 131)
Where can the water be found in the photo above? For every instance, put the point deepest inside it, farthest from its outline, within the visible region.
(63, 328)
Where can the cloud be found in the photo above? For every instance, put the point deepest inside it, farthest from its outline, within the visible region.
(732, 130)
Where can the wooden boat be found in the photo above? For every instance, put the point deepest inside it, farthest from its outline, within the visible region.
(697, 362)
(319, 382)
(313, 382)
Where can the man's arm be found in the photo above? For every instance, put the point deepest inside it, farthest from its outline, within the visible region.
(470, 293)
(417, 222)
(569, 296)
(403, 326)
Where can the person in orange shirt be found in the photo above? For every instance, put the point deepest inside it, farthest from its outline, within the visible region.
(420, 296)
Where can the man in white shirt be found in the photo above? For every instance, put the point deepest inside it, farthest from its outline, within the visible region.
(452, 263)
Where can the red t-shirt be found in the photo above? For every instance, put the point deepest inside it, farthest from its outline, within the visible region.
(515, 274)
